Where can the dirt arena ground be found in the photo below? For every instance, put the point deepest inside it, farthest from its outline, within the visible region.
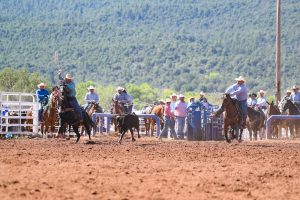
(148, 169)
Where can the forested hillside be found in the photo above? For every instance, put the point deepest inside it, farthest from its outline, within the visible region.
(186, 45)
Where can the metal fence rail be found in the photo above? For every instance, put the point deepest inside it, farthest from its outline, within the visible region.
(108, 117)
(276, 117)
(14, 107)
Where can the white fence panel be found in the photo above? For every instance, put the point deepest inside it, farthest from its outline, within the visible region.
(14, 107)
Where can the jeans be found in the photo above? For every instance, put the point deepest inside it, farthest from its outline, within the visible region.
(180, 128)
(168, 124)
(244, 108)
(77, 107)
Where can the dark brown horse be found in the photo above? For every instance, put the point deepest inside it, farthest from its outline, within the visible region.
(232, 118)
(255, 123)
(118, 109)
(276, 125)
(293, 109)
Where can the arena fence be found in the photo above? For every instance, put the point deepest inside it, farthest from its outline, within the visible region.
(14, 108)
(108, 117)
(278, 117)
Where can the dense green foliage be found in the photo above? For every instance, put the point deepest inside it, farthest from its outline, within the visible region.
(186, 45)
(22, 81)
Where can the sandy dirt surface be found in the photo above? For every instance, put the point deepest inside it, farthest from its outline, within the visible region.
(148, 169)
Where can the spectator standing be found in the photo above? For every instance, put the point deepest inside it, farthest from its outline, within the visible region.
(180, 113)
(168, 115)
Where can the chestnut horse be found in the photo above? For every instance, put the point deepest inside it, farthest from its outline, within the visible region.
(49, 116)
(92, 107)
(158, 110)
(117, 109)
(232, 118)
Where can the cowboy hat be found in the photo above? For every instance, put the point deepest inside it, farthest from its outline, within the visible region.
(261, 91)
(295, 87)
(240, 78)
(69, 76)
(161, 100)
(120, 88)
(174, 95)
(181, 96)
(288, 91)
(168, 100)
(202, 93)
(91, 87)
(41, 85)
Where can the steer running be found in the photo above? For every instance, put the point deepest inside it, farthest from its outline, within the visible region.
(128, 122)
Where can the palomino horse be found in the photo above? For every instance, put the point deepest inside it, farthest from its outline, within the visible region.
(231, 119)
(117, 109)
(92, 107)
(158, 110)
(255, 123)
(293, 109)
(49, 115)
(276, 125)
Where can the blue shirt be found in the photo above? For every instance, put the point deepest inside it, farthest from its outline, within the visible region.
(295, 97)
(41, 94)
(91, 97)
(122, 98)
(251, 102)
(239, 91)
(71, 89)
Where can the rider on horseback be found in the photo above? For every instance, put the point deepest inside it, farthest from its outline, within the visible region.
(239, 90)
(43, 98)
(71, 93)
(123, 98)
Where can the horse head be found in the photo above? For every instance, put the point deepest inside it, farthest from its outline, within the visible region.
(116, 108)
(287, 104)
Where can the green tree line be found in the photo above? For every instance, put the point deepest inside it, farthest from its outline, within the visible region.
(191, 45)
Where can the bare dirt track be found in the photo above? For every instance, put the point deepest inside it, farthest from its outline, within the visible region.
(148, 169)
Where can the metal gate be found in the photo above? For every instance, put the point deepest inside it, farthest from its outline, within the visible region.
(201, 125)
(14, 108)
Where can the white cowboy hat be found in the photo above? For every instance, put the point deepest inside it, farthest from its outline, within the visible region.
(288, 91)
(120, 88)
(174, 95)
(181, 96)
(202, 93)
(261, 91)
(241, 78)
(41, 85)
(162, 100)
(295, 87)
(168, 100)
(69, 76)
(91, 87)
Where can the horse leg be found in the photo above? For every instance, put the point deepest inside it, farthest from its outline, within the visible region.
(86, 125)
(132, 136)
(226, 133)
(240, 135)
(76, 130)
(138, 131)
(121, 136)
